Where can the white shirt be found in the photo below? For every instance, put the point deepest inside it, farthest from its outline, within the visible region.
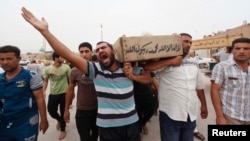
(223, 56)
(1, 70)
(177, 90)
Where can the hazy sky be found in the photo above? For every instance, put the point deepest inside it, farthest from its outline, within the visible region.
(76, 21)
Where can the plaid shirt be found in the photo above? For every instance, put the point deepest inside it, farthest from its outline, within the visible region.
(235, 89)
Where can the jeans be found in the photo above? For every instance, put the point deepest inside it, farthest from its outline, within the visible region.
(172, 130)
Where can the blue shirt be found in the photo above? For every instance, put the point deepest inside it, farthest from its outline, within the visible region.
(17, 100)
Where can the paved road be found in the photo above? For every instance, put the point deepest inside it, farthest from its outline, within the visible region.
(153, 125)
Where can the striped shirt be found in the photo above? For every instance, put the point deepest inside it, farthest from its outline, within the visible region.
(116, 105)
(235, 89)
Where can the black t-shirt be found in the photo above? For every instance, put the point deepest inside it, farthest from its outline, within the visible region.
(143, 90)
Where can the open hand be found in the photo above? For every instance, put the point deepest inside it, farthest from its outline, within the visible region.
(40, 25)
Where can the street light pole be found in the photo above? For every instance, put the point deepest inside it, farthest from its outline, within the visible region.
(101, 33)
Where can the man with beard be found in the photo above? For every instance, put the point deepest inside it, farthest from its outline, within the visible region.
(117, 116)
(178, 90)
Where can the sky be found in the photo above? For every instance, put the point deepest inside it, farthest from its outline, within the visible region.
(76, 21)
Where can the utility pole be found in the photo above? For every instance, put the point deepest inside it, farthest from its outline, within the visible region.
(101, 33)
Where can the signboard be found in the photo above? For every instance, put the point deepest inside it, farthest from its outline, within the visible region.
(142, 48)
(215, 42)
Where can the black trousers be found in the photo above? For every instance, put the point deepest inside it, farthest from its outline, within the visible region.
(54, 102)
(123, 133)
(86, 125)
(145, 106)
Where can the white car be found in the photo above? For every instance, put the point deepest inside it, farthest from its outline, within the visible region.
(204, 62)
(24, 62)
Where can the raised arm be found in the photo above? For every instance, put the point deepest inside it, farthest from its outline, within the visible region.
(59, 47)
(142, 77)
(172, 61)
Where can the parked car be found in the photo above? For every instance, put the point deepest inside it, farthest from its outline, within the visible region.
(24, 62)
(204, 62)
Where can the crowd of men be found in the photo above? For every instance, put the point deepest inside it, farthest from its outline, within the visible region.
(114, 98)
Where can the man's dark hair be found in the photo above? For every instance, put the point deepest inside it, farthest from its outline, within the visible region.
(10, 48)
(85, 44)
(240, 40)
(228, 49)
(55, 55)
(186, 34)
(33, 61)
(94, 58)
(109, 45)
